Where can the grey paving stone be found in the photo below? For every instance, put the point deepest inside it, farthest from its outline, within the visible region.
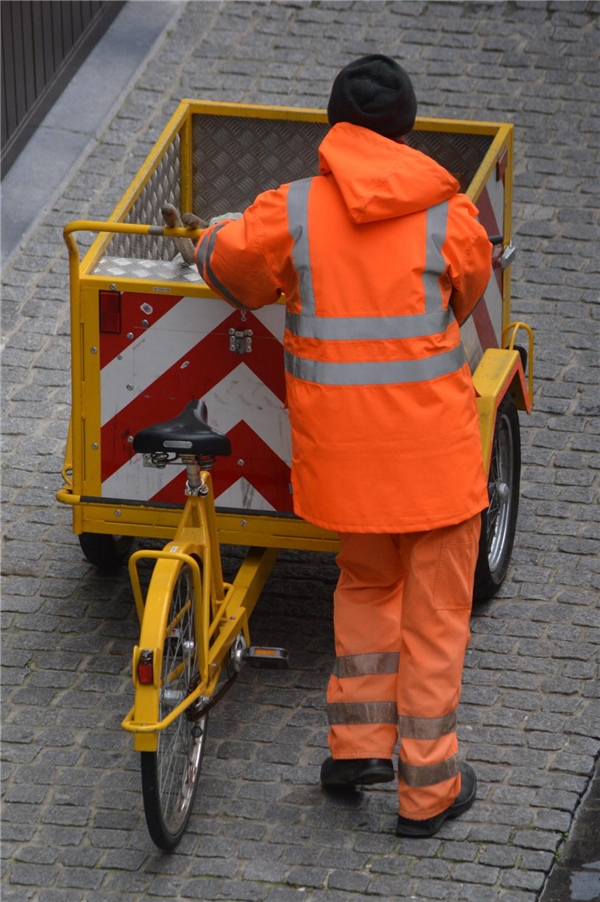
(34, 875)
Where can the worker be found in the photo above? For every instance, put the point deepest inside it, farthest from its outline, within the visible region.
(380, 259)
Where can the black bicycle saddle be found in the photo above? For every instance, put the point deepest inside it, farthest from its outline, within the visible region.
(188, 433)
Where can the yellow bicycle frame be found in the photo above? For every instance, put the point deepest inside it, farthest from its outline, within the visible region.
(222, 610)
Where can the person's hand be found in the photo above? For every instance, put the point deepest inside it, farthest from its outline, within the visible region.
(173, 220)
(223, 216)
(191, 221)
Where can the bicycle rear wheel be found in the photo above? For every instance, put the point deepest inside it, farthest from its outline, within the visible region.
(170, 774)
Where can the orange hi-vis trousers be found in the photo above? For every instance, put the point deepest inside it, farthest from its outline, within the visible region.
(401, 617)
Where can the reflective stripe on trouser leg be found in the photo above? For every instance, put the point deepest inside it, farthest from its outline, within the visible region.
(439, 567)
(361, 696)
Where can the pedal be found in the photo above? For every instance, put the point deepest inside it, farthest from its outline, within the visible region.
(269, 658)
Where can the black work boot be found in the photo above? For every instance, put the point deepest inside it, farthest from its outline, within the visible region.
(356, 771)
(468, 789)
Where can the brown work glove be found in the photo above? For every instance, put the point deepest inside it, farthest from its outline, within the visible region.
(173, 220)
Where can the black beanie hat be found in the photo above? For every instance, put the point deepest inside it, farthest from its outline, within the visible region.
(375, 92)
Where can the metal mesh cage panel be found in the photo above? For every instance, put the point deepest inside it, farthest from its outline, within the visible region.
(162, 187)
(235, 158)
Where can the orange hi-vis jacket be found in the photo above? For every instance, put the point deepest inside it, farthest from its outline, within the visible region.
(379, 259)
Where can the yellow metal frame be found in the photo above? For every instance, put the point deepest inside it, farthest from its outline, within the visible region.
(509, 337)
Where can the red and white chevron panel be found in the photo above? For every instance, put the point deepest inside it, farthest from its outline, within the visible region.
(483, 329)
(173, 349)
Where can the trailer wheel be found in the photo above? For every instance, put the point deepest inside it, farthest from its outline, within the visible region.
(105, 552)
(498, 522)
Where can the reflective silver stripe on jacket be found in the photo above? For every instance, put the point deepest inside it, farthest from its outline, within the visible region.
(362, 712)
(365, 328)
(203, 256)
(297, 206)
(426, 727)
(435, 264)
(428, 774)
(308, 325)
(366, 665)
(386, 372)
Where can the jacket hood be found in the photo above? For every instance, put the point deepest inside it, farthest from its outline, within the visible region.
(379, 178)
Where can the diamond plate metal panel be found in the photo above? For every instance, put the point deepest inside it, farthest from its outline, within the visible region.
(156, 270)
(235, 158)
(162, 187)
(459, 153)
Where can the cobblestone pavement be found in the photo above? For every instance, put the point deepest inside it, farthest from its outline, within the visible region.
(530, 717)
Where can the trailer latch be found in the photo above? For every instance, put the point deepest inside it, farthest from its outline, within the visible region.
(240, 342)
(508, 256)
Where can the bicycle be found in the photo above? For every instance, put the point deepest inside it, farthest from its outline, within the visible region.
(194, 627)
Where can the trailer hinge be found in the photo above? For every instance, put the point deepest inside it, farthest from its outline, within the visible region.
(240, 342)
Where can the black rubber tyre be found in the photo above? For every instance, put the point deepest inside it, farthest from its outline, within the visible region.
(499, 521)
(170, 774)
(106, 552)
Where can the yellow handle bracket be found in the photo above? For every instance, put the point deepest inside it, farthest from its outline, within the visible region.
(509, 336)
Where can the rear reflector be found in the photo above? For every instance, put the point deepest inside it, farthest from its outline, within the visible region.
(110, 311)
(270, 658)
(145, 668)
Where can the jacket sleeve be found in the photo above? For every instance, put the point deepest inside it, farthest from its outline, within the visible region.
(231, 258)
(469, 253)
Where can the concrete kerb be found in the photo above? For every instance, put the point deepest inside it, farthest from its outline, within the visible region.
(74, 126)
